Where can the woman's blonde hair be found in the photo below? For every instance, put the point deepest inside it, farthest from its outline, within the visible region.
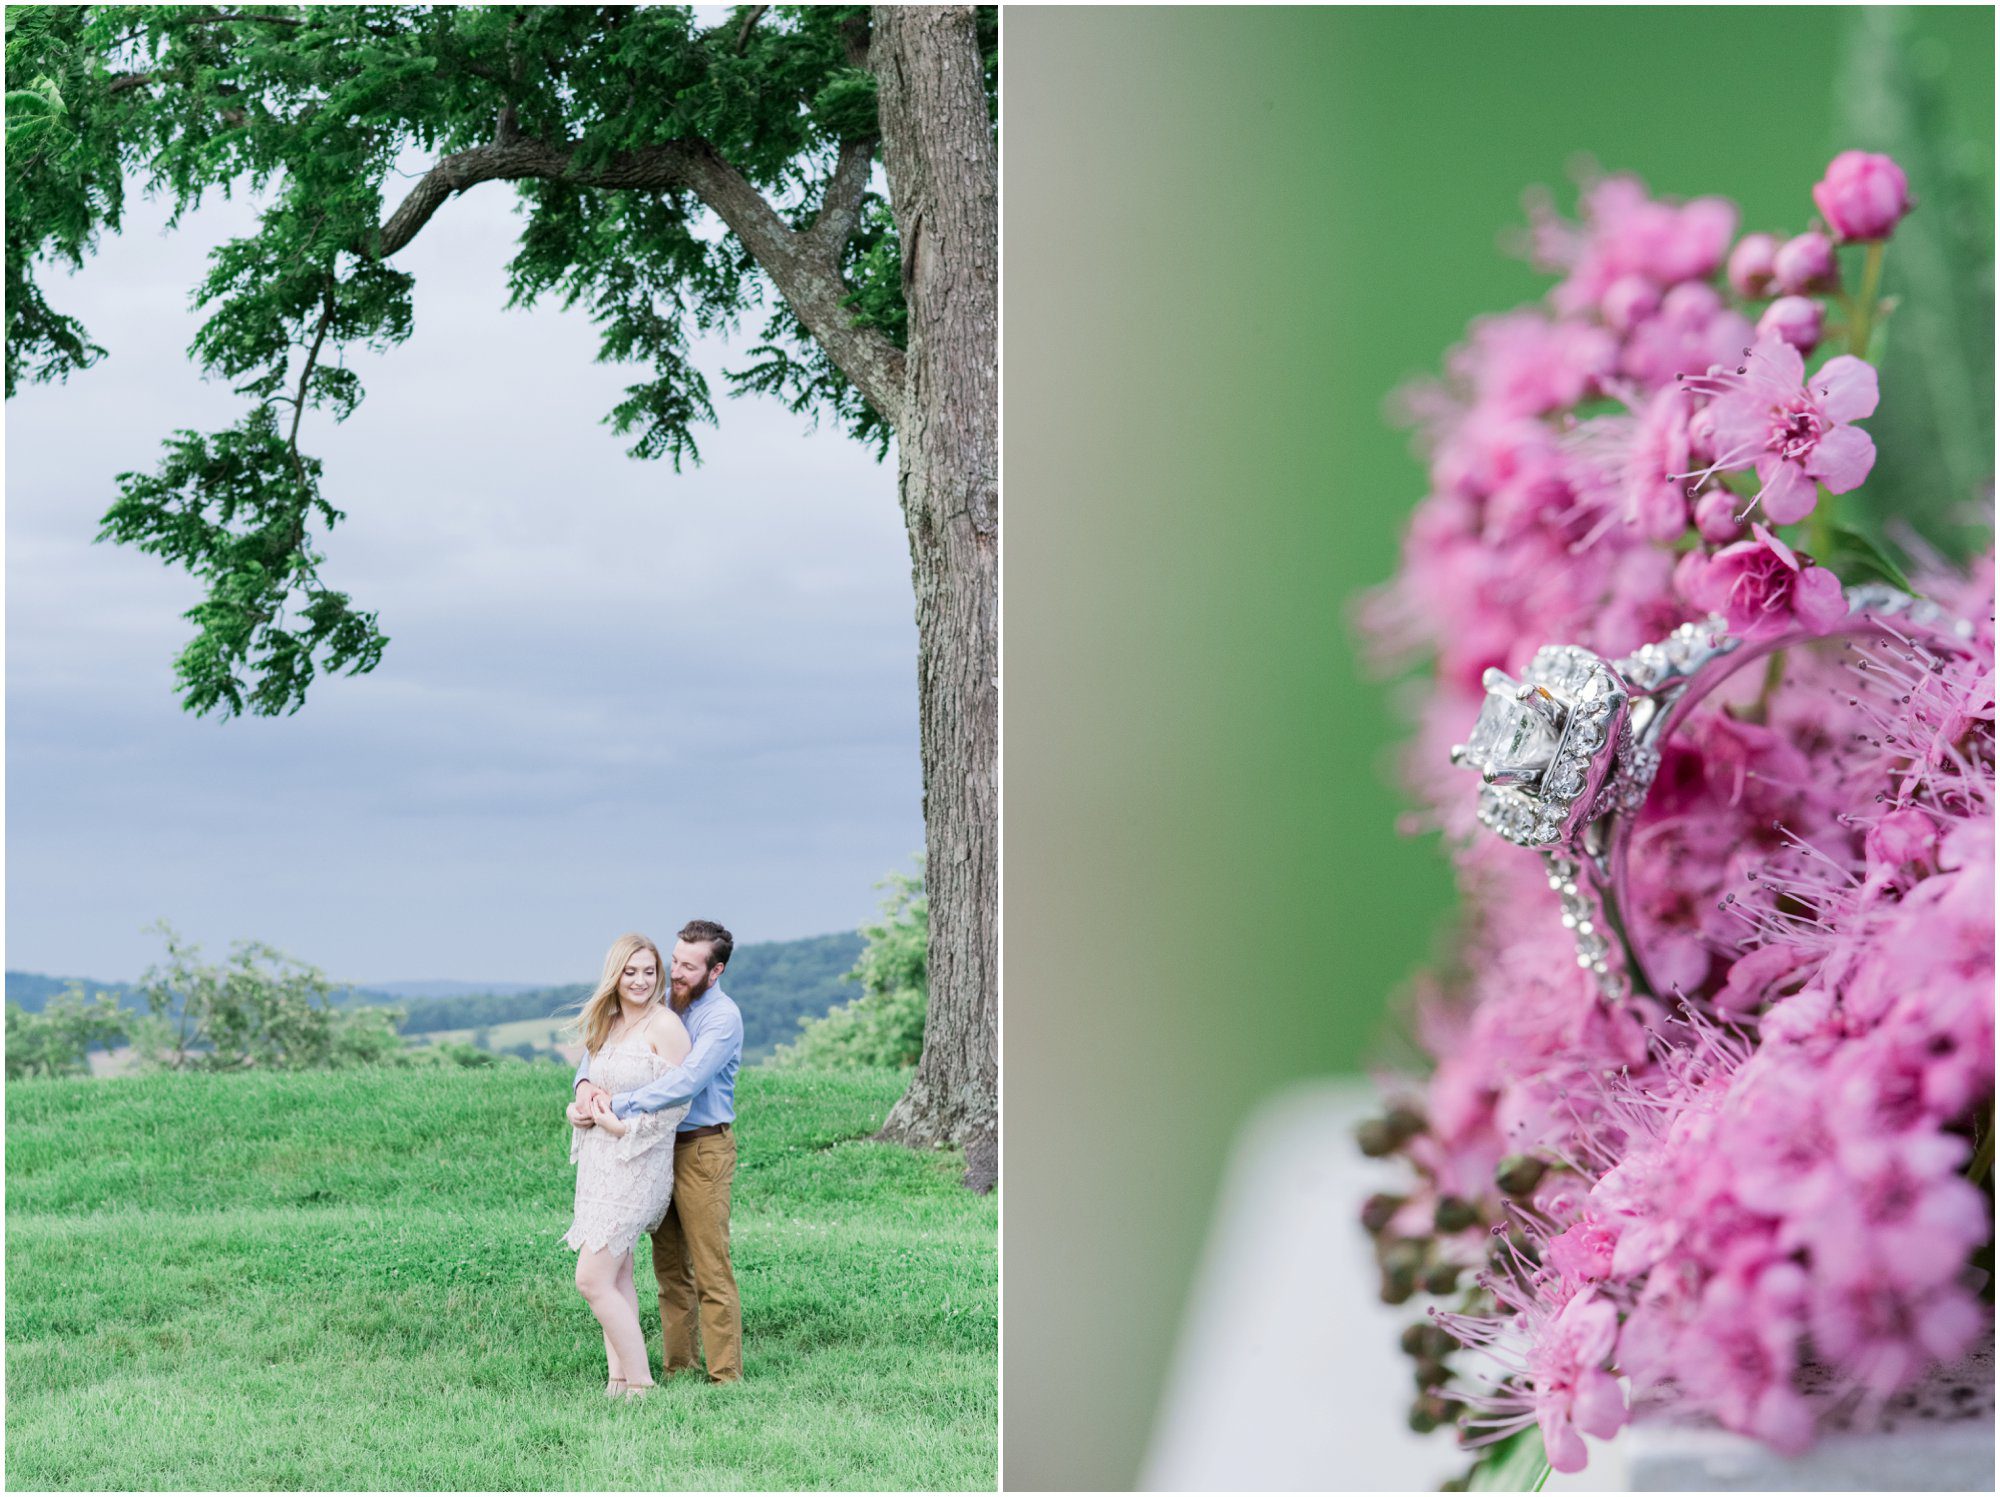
(600, 1009)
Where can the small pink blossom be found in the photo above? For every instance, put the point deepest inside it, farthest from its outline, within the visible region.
(1523, 364)
(1901, 838)
(1886, 1333)
(1740, 1351)
(1764, 590)
(1626, 232)
(1894, 1206)
(1692, 332)
(1572, 1391)
(1797, 433)
(1655, 453)
(1862, 195)
(1757, 976)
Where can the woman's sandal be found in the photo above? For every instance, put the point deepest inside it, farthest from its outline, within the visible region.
(615, 1388)
(638, 1390)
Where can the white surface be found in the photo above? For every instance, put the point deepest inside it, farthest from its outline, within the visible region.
(1288, 1377)
(1958, 1458)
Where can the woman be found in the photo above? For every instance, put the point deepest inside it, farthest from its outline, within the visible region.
(624, 1166)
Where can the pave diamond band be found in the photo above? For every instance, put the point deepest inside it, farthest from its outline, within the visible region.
(1599, 948)
(1568, 753)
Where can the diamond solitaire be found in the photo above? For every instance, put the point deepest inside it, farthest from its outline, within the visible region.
(1544, 745)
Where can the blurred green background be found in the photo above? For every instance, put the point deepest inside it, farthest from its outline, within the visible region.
(1228, 235)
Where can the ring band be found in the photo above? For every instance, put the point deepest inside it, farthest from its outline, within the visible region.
(1568, 753)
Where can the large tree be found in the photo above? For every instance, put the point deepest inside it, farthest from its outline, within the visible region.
(628, 133)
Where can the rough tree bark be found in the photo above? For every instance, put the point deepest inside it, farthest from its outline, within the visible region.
(939, 154)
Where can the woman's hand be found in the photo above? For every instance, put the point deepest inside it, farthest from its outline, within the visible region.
(578, 1115)
(603, 1117)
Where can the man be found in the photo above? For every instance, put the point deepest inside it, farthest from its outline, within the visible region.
(691, 1243)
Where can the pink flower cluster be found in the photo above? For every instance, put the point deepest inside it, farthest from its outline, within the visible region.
(1770, 1163)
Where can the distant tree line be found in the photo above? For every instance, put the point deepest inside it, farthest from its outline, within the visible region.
(263, 1008)
(775, 983)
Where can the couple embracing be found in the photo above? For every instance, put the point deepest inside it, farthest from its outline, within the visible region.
(651, 1140)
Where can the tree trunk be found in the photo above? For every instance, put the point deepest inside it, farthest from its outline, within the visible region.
(939, 155)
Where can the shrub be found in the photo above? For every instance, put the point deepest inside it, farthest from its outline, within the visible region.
(263, 1009)
(885, 1025)
(58, 1040)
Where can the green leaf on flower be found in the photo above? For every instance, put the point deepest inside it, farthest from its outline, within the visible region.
(1854, 557)
(1518, 1463)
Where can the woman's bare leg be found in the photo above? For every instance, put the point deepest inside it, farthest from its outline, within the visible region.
(638, 1372)
(630, 1291)
(598, 1273)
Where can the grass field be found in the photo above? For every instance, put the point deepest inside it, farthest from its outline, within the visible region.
(352, 1281)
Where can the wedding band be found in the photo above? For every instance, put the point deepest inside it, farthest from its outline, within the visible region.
(1569, 752)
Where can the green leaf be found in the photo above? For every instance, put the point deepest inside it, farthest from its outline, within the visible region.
(1516, 1464)
(1934, 431)
(1854, 557)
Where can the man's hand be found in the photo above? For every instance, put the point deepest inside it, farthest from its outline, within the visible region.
(579, 1116)
(588, 1091)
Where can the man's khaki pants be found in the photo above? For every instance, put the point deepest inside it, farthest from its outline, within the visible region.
(691, 1261)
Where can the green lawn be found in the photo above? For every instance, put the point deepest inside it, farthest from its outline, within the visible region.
(352, 1281)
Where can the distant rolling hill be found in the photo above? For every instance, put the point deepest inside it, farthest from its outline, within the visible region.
(775, 983)
(445, 989)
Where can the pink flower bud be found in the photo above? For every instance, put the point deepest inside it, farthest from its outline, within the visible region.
(1805, 263)
(1862, 195)
(1796, 319)
(1715, 517)
(1750, 266)
(1629, 301)
(1691, 303)
(1701, 436)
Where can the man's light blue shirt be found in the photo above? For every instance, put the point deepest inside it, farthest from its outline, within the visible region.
(706, 1079)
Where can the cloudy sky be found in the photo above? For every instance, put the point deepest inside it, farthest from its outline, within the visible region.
(615, 697)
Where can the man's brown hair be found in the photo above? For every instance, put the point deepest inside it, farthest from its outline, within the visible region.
(720, 941)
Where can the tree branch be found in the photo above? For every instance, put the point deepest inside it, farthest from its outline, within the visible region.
(805, 267)
(749, 24)
(234, 118)
(807, 274)
(654, 168)
(840, 205)
(299, 404)
(185, 22)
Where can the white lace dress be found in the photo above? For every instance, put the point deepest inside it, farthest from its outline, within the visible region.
(623, 1184)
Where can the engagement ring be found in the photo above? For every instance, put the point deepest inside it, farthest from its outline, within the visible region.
(1569, 752)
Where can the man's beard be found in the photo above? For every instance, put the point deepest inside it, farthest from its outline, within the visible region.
(680, 1004)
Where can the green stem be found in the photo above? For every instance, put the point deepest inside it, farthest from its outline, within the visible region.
(1982, 1157)
(1861, 321)
(1759, 711)
(1819, 527)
